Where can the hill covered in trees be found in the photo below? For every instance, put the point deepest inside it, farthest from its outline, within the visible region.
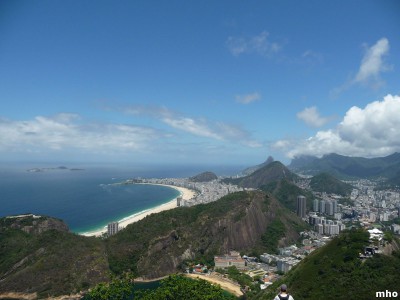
(272, 172)
(325, 182)
(335, 271)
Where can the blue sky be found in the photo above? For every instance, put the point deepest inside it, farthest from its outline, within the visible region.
(213, 82)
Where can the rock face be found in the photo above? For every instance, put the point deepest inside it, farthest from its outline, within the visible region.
(235, 222)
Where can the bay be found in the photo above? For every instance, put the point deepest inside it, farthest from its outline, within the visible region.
(86, 200)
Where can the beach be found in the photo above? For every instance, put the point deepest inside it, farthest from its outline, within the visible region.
(185, 193)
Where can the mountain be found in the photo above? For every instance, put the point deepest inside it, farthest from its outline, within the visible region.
(161, 243)
(335, 271)
(325, 182)
(204, 177)
(39, 256)
(267, 174)
(252, 169)
(348, 167)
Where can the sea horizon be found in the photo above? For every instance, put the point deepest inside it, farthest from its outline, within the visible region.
(86, 199)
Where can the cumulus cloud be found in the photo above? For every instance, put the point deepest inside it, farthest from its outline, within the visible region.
(247, 99)
(259, 44)
(370, 131)
(63, 132)
(311, 117)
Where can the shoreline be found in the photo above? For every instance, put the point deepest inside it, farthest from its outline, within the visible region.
(185, 193)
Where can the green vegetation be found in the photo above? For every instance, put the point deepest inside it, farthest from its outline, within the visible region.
(286, 192)
(178, 287)
(275, 231)
(335, 271)
(274, 171)
(117, 289)
(51, 262)
(325, 182)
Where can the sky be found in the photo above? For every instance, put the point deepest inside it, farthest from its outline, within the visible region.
(198, 82)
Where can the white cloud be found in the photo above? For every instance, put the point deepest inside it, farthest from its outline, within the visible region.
(371, 67)
(197, 126)
(372, 63)
(63, 133)
(311, 117)
(247, 99)
(259, 44)
(370, 131)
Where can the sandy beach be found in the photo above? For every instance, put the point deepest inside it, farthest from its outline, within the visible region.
(226, 285)
(185, 193)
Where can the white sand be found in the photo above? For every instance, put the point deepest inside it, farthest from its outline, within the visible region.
(185, 193)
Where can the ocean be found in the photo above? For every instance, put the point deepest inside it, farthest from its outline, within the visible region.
(86, 200)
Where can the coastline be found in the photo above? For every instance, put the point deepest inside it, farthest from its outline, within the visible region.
(185, 193)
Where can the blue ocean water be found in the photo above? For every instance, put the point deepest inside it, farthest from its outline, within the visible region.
(85, 200)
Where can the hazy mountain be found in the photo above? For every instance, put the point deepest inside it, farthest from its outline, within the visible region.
(348, 167)
(252, 169)
(325, 182)
(204, 177)
(274, 171)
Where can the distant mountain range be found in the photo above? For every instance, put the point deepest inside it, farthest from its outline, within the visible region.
(346, 167)
(204, 177)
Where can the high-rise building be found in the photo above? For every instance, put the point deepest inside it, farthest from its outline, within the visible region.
(329, 208)
(322, 206)
(335, 206)
(301, 206)
(315, 205)
(112, 228)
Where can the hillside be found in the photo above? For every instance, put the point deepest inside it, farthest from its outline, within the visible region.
(348, 167)
(204, 177)
(39, 255)
(252, 169)
(274, 171)
(286, 193)
(325, 182)
(161, 243)
(335, 272)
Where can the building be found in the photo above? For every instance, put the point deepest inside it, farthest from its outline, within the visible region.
(112, 228)
(329, 208)
(179, 202)
(301, 206)
(226, 261)
(322, 206)
(315, 205)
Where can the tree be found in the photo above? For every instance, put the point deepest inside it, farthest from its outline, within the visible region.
(117, 289)
(179, 287)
